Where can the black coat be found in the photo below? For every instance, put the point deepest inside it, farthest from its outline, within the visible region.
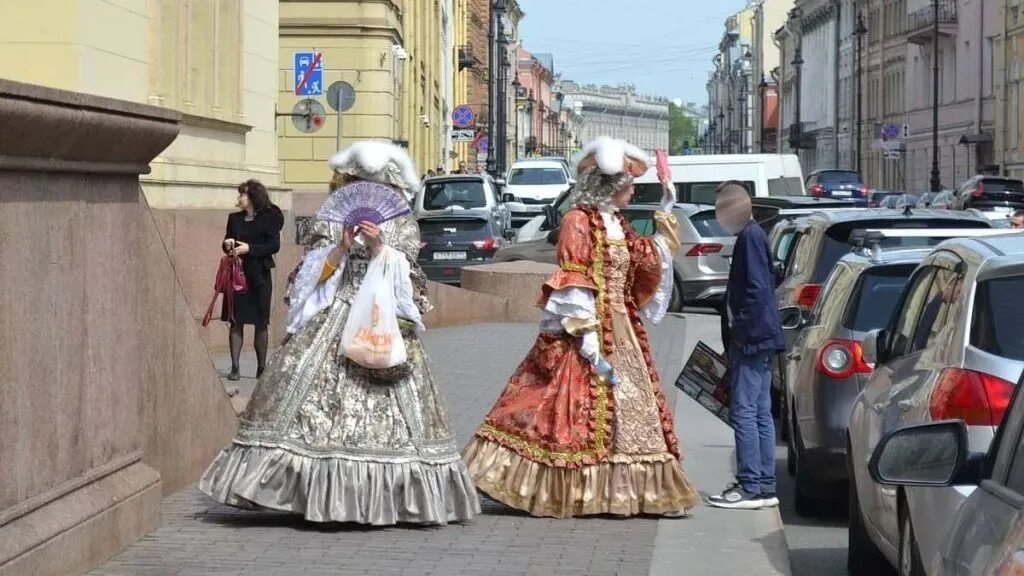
(263, 235)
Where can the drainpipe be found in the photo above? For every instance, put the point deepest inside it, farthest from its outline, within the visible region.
(835, 85)
(1006, 82)
(780, 99)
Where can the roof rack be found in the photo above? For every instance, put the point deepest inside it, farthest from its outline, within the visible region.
(868, 241)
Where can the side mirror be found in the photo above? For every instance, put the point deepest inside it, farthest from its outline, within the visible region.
(572, 182)
(507, 197)
(933, 454)
(510, 234)
(553, 237)
(792, 318)
(869, 347)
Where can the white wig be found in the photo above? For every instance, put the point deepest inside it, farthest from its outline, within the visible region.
(378, 161)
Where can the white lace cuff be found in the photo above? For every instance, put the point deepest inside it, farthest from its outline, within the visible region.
(654, 311)
(309, 296)
(576, 303)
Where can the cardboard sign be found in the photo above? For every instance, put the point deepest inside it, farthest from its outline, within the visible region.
(706, 379)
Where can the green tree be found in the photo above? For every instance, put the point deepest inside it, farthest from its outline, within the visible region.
(682, 130)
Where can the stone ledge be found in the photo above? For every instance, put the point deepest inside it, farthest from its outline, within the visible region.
(519, 283)
(80, 530)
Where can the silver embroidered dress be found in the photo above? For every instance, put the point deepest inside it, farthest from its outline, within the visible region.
(334, 441)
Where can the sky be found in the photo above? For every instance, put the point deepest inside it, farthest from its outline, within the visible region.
(664, 47)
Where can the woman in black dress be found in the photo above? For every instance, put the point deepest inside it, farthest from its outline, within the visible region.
(254, 234)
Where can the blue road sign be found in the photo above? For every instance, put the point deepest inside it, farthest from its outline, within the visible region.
(309, 74)
(463, 117)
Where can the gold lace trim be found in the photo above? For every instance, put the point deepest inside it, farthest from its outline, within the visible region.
(573, 267)
(615, 242)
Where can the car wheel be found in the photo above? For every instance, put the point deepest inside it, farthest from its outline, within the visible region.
(784, 420)
(790, 425)
(910, 557)
(805, 504)
(863, 557)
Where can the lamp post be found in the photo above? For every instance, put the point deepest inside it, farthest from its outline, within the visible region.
(860, 31)
(721, 132)
(729, 138)
(796, 131)
(936, 185)
(763, 87)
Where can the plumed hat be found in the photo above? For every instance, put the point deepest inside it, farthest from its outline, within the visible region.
(612, 157)
(378, 161)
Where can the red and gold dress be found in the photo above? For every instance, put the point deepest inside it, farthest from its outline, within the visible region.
(563, 442)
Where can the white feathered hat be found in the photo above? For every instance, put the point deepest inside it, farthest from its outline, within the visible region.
(611, 157)
(378, 161)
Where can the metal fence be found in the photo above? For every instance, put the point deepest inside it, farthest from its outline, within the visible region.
(925, 17)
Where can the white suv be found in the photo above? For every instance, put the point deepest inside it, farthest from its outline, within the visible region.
(533, 184)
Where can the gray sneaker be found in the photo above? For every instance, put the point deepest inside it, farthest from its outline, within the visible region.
(770, 500)
(736, 498)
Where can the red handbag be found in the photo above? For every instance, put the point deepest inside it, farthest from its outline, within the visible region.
(230, 281)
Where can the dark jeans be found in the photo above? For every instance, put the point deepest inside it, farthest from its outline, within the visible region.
(751, 414)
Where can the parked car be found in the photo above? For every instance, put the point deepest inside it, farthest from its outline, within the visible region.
(943, 200)
(987, 534)
(953, 349)
(825, 370)
(533, 184)
(988, 191)
(561, 160)
(461, 192)
(837, 184)
(821, 239)
(701, 265)
(876, 197)
(451, 242)
(1000, 216)
(772, 210)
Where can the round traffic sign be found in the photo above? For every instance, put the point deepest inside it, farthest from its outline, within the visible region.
(463, 116)
(341, 96)
(308, 115)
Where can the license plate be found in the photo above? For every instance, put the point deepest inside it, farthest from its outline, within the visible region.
(844, 193)
(448, 256)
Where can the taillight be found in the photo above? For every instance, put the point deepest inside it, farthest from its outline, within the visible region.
(979, 191)
(864, 191)
(489, 244)
(976, 398)
(817, 190)
(807, 296)
(842, 358)
(704, 249)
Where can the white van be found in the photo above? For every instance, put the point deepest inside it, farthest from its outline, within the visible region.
(697, 177)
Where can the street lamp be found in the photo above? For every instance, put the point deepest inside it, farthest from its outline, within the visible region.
(728, 137)
(860, 31)
(763, 87)
(721, 132)
(936, 185)
(796, 131)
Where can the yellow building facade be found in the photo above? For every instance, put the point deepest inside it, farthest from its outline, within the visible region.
(215, 61)
(390, 52)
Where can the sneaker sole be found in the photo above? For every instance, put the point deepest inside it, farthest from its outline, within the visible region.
(771, 503)
(741, 505)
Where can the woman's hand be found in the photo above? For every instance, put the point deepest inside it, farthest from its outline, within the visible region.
(372, 236)
(229, 245)
(241, 249)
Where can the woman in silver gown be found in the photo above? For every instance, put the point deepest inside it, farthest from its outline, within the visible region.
(331, 440)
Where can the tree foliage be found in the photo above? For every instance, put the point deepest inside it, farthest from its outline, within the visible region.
(682, 130)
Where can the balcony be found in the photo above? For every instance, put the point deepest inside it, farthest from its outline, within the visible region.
(466, 58)
(921, 22)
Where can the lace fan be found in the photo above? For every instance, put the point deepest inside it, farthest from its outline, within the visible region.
(363, 202)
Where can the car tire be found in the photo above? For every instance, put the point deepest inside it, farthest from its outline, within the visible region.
(863, 556)
(784, 420)
(910, 557)
(790, 425)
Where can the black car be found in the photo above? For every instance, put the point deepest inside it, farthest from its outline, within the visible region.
(989, 191)
(451, 242)
(837, 184)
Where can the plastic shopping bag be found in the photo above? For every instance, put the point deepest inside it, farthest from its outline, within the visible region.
(371, 337)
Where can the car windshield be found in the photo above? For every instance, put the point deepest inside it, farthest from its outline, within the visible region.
(463, 228)
(837, 239)
(785, 187)
(875, 297)
(838, 177)
(536, 176)
(707, 225)
(998, 323)
(461, 193)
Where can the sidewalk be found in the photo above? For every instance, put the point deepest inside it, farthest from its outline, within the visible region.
(200, 538)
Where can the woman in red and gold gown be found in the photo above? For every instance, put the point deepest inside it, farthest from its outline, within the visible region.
(583, 426)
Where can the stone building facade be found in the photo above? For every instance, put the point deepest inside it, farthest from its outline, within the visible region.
(619, 112)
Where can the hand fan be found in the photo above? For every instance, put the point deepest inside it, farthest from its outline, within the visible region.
(363, 202)
(664, 171)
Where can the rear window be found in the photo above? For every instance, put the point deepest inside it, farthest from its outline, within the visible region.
(465, 228)
(707, 225)
(647, 193)
(839, 177)
(537, 176)
(875, 297)
(837, 239)
(785, 187)
(464, 194)
(1003, 185)
(998, 323)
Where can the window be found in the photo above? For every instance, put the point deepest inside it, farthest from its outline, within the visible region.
(464, 228)
(785, 187)
(838, 283)
(461, 193)
(704, 192)
(642, 221)
(907, 315)
(707, 225)
(785, 244)
(875, 297)
(998, 323)
(938, 309)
